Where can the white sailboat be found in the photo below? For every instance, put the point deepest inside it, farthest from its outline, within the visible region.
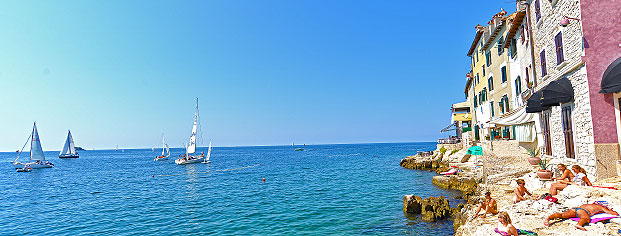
(37, 158)
(69, 148)
(165, 150)
(208, 154)
(188, 157)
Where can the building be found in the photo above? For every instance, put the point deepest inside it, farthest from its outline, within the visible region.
(561, 89)
(600, 22)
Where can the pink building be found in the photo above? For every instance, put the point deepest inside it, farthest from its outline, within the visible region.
(602, 42)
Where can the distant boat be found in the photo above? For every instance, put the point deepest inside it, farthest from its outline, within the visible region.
(37, 158)
(69, 148)
(188, 158)
(165, 150)
(208, 154)
(117, 148)
(80, 149)
(298, 149)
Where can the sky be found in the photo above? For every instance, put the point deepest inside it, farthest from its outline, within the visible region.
(268, 72)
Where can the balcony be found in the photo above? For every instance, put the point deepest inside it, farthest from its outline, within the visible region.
(451, 140)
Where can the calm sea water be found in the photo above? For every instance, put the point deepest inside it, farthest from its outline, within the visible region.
(352, 189)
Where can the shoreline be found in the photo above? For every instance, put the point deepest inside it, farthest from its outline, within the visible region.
(498, 175)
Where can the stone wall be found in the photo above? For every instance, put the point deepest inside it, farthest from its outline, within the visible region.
(449, 147)
(507, 148)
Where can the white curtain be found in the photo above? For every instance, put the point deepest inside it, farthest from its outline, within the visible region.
(525, 132)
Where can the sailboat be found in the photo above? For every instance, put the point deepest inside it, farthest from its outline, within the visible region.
(208, 154)
(188, 157)
(37, 158)
(165, 150)
(69, 148)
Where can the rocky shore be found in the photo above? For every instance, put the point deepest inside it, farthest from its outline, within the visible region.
(497, 175)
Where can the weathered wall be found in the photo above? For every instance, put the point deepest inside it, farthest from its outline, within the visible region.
(600, 24)
(507, 148)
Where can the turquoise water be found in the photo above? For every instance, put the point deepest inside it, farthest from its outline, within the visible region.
(350, 189)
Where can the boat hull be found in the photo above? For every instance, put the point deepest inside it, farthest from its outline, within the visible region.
(33, 165)
(160, 158)
(69, 156)
(188, 161)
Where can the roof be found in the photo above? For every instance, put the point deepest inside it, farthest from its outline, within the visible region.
(461, 105)
(475, 42)
(515, 25)
(492, 37)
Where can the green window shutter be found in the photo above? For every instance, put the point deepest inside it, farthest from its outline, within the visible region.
(503, 71)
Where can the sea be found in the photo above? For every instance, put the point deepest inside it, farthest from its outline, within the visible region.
(344, 189)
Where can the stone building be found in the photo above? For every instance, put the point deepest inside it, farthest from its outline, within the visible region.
(561, 88)
(600, 22)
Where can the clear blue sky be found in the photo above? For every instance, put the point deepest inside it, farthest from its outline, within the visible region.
(266, 72)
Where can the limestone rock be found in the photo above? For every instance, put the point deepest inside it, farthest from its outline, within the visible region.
(412, 204)
(431, 208)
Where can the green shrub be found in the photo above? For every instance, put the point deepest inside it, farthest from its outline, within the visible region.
(544, 164)
(454, 151)
(442, 150)
(533, 152)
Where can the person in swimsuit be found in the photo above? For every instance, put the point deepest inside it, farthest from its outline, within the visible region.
(583, 212)
(579, 179)
(504, 226)
(489, 205)
(519, 191)
(566, 175)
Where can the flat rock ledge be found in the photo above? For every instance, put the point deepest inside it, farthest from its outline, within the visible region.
(431, 209)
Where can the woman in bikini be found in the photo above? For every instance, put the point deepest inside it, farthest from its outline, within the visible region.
(566, 175)
(520, 191)
(504, 226)
(489, 205)
(579, 179)
(583, 212)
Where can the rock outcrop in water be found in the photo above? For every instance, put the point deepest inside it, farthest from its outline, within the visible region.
(431, 209)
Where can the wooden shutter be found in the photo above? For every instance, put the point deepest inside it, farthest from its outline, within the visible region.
(503, 71)
(567, 132)
(537, 11)
(544, 70)
(558, 43)
(545, 126)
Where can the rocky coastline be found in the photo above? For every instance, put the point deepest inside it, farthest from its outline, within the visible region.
(497, 174)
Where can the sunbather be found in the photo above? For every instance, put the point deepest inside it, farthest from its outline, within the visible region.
(519, 191)
(566, 174)
(579, 179)
(489, 205)
(505, 227)
(583, 212)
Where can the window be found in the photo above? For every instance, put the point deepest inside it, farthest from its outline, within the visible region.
(488, 58)
(567, 131)
(476, 52)
(477, 78)
(503, 72)
(490, 83)
(537, 11)
(558, 43)
(544, 70)
(491, 107)
(506, 103)
(518, 86)
(501, 106)
(545, 127)
(500, 48)
(475, 101)
(522, 35)
(484, 94)
(527, 76)
(513, 48)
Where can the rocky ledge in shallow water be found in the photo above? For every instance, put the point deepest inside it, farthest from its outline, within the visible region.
(431, 208)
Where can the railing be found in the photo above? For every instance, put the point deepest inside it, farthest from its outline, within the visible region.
(449, 140)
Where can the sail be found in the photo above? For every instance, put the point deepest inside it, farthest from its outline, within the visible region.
(71, 144)
(36, 151)
(163, 145)
(208, 152)
(192, 144)
(167, 150)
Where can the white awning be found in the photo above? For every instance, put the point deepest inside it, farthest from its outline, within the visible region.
(517, 117)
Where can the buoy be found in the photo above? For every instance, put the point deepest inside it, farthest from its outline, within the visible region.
(152, 176)
(263, 179)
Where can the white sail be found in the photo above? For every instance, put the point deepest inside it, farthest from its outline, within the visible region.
(69, 147)
(192, 145)
(167, 150)
(36, 151)
(208, 152)
(163, 145)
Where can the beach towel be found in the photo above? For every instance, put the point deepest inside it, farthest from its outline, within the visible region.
(519, 231)
(613, 188)
(450, 172)
(598, 217)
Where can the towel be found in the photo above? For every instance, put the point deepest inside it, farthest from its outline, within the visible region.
(598, 217)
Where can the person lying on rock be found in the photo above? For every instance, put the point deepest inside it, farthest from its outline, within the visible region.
(520, 190)
(504, 226)
(579, 179)
(583, 212)
(489, 204)
(566, 174)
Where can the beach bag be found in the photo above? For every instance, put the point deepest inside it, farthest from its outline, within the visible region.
(551, 199)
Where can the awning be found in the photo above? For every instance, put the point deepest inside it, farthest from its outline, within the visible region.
(611, 81)
(558, 91)
(449, 128)
(533, 104)
(518, 117)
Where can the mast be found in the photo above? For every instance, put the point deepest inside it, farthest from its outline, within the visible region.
(163, 144)
(192, 145)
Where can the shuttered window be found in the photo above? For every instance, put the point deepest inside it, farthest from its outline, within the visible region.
(491, 107)
(501, 106)
(558, 43)
(513, 48)
(568, 132)
(545, 126)
(483, 70)
(488, 58)
(544, 70)
(503, 72)
(490, 83)
(501, 49)
(518, 86)
(527, 75)
(506, 102)
(475, 101)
